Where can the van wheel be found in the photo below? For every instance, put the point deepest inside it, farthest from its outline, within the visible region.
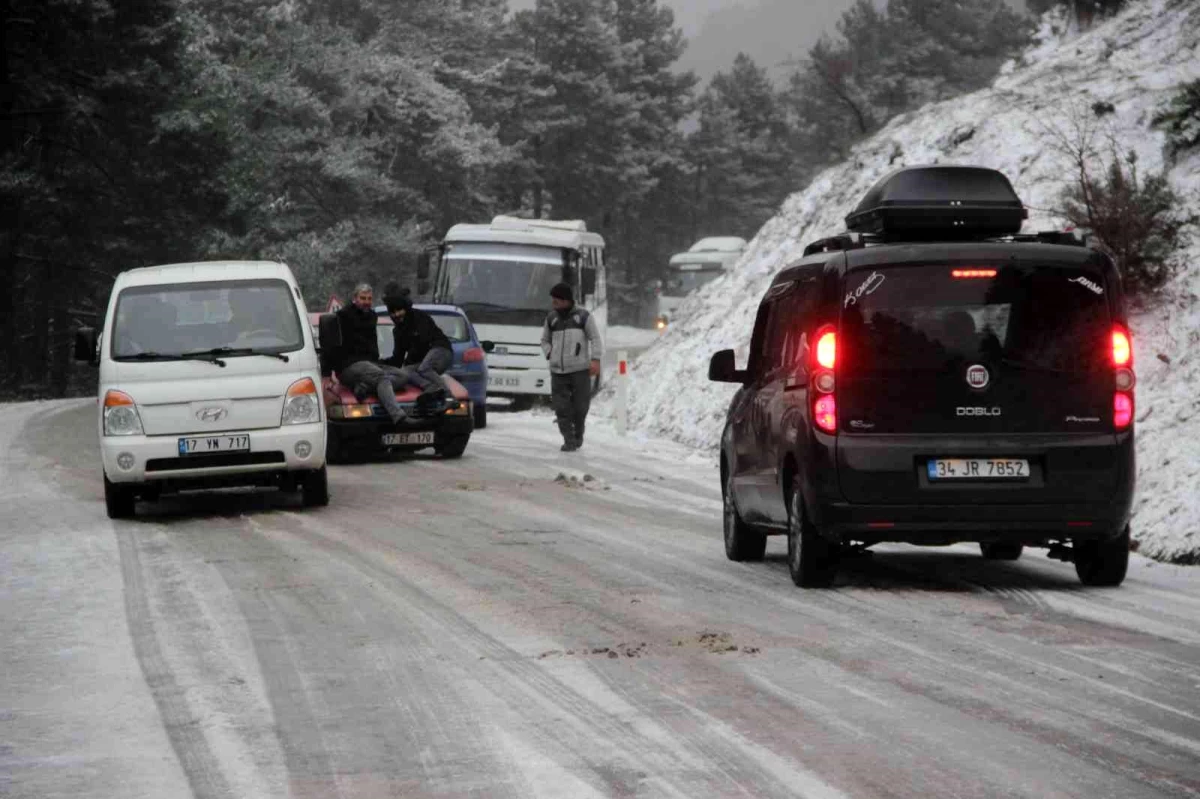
(454, 447)
(1103, 563)
(1001, 551)
(119, 500)
(480, 416)
(742, 542)
(812, 560)
(315, 489)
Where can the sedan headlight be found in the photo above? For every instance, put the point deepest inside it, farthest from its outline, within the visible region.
(120, 415)
(301, 405)
(463, 409)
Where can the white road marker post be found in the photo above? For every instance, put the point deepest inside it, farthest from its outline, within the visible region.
(622, 391)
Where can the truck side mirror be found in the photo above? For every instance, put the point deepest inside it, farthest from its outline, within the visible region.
(723, 368)
(422, 288)
(86, 340)
(329, 333)
(588, 282)
(423, 265)
(487, 346)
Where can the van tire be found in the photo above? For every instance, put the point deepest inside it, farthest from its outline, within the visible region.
(1103, 563)
(119, 500)
(812, 560)
(480, 416)
(315, 489)
(742, 542)
(1001, 550)
(454, 447)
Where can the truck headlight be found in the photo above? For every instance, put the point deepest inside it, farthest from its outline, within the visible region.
(301, 405)
(120, 415)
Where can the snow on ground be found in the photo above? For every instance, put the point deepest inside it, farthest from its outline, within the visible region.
(1134, 61)
(619, 337)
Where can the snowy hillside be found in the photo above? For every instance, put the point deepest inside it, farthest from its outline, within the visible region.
(1135, 62)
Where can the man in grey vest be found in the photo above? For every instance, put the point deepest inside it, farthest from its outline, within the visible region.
(572, 345)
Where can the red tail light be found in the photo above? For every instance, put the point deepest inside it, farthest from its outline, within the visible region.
(827, 349)
(825, 413)
(970, 273)
(473, 355)
(1122, 350)
(1122, 410)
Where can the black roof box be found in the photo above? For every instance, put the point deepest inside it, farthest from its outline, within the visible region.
(939, 202)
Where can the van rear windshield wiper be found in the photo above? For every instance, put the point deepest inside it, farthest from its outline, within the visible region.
(215, 351)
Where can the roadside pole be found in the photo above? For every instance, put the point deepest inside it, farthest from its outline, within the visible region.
(622, 391)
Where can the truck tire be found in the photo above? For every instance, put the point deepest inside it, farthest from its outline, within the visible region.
(742, 542)
(812, 560)
(119, 500)
(1103, 563)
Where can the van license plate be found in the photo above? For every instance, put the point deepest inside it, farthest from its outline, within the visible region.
(978, 469)
(503, 382)
(407, 439)
(203, 445)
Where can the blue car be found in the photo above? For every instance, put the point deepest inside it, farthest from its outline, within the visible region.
(470, 363)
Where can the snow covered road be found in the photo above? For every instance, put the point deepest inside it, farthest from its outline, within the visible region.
(524, 623)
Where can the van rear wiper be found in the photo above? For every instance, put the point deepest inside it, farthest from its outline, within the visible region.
(215, 351)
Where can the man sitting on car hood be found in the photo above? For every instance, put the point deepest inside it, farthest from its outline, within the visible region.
(421, 348)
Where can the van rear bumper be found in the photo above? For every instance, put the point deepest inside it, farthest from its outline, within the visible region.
(157, 459)
(947, 524)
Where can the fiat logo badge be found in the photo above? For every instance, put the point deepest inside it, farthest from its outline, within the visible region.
(211, 414)
(977, 376)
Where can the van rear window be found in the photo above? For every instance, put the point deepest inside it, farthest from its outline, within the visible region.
(1042, 318)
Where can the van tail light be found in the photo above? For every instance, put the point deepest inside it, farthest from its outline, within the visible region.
(827, 349)
(473, 355)
(1122, 410)
(825, 413)
(1122, 350)
(1123, 378)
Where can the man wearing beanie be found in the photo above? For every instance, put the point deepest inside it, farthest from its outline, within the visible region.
(572, 345)
(421, 348)
(356, 364)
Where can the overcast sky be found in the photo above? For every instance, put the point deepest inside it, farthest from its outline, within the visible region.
(770, 31)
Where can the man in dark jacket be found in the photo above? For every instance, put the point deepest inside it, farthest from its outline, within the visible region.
(358, 358)
(421, 348)
(572, 345)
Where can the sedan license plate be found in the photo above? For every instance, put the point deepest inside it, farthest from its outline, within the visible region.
(407, 439)
(203, 445)
(503, 382)
(978, 469)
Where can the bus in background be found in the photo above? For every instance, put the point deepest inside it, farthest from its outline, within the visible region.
(501, 274)
(707, 260)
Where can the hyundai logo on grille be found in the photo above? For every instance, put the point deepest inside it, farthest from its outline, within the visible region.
(977, 376)
(211, 414)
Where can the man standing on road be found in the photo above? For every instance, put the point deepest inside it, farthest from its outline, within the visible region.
(573, 349)
(358, 358)
(421, 348)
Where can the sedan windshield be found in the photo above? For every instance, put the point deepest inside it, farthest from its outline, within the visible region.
(236, 317)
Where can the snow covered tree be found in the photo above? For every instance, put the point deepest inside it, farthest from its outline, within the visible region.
(1181, 120)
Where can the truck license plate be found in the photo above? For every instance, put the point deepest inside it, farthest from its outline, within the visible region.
(978, 469)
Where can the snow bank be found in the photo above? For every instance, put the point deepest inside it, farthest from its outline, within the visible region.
(1134, 61)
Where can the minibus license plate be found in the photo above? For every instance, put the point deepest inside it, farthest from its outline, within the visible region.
(978, 469)
(203, 445)
(407, 439)
(503, 382)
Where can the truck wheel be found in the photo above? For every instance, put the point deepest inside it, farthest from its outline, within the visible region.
(1103, 563)
(119, 500)
(315, 489)
(522, 403)
(742, 542)
(454, 447)
(812, 560)
(480, 416)
(1001, 551)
